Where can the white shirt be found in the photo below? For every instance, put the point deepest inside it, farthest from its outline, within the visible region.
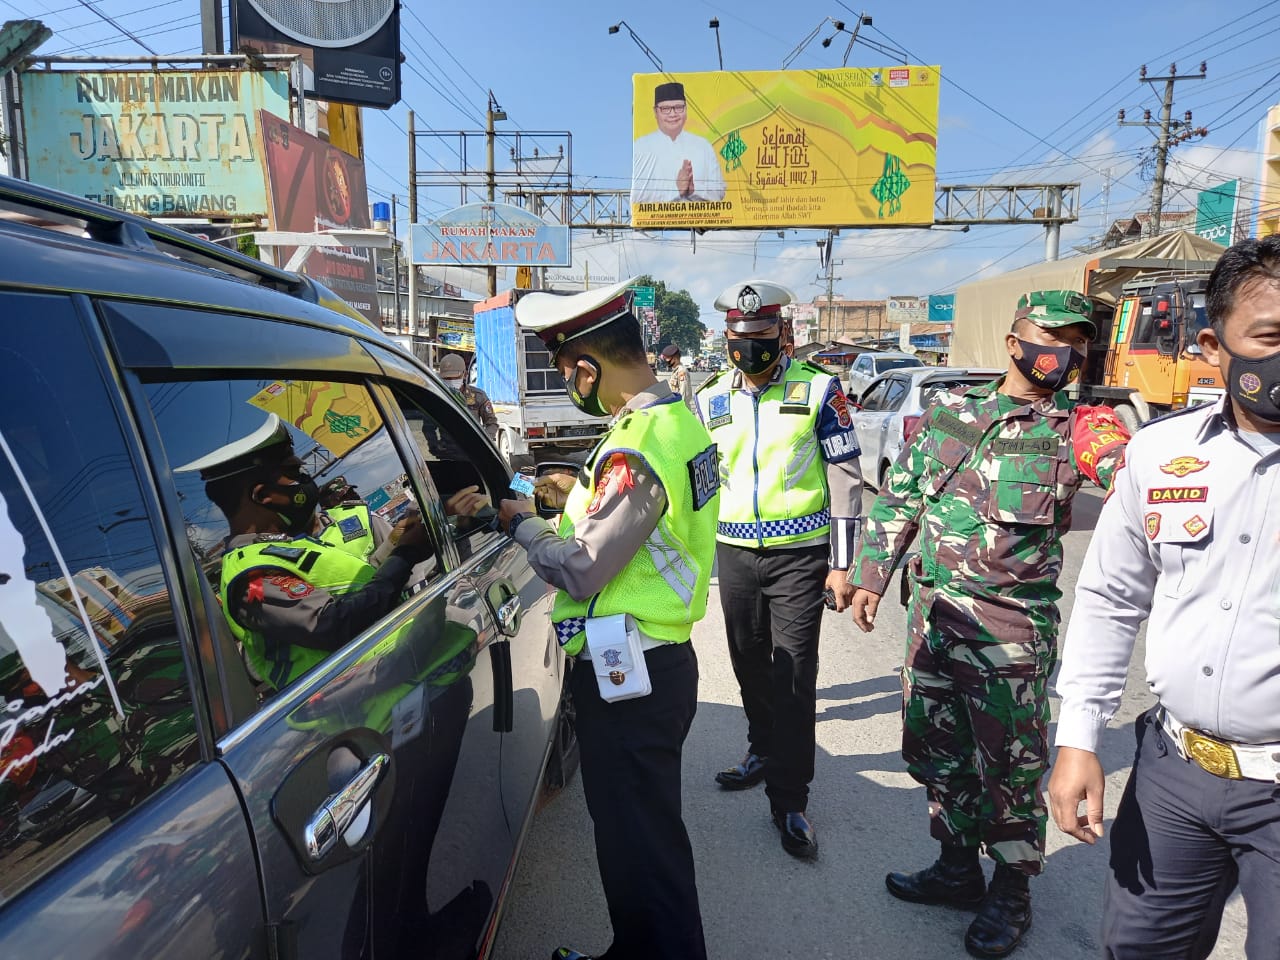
(656, 159)
(1190, 542)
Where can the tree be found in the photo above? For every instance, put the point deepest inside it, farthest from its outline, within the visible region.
(677, 315)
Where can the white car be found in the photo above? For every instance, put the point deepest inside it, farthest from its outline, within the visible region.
(868, 366)
(894, 403)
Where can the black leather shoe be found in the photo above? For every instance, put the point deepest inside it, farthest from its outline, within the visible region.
(798, 838)
(743, 775)
(940, 884)
(1002, 921)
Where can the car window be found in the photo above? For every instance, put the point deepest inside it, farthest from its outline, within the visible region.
(885, 364)
(367, 500)
(895, 390)
(874, 399)
(862, 364)
(929, 392)
(96, 710)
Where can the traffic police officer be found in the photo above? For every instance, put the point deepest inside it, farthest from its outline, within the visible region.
(1190, 542)
(789, 520)
(987, 482)
(289, 598)
(637, 537)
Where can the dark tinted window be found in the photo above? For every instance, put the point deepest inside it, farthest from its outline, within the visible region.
(894, 393)
(95, 709)
(874, 399)
(884, 364)
(337, 431)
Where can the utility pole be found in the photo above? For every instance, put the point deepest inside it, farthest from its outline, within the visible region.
(395, 262)
(413, 219)
(1171, 132)
(494, 112)
(211, 27)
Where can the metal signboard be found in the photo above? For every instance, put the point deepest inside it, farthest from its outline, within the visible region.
(942, 307)
(350, 48)
(787, 148)
(490, 235)
(316, 186)
(156, 142)
(1216, 212)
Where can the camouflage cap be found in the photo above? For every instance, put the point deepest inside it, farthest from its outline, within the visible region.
(1057, 308)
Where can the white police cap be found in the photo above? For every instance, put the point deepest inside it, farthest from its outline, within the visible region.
(558, 318)
(753, 306)
(247, 453)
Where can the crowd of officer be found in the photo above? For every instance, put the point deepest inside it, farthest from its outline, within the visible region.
(757, 477)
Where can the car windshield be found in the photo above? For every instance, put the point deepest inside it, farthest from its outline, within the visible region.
(929, 392)
(893, 363)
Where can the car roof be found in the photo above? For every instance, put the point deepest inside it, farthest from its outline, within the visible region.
(919, 375)
(884, 354)
(56, 243)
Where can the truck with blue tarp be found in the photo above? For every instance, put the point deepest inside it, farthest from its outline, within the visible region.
(536, 419)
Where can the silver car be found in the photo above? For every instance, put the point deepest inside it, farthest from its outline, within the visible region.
(868, 366)
(894, 403)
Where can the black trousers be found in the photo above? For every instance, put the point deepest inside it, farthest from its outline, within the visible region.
(772, 602)
(1183, 840)
(630, 754)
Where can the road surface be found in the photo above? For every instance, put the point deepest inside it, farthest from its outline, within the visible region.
(758, 902)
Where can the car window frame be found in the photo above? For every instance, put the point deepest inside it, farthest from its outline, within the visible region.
(893, 402)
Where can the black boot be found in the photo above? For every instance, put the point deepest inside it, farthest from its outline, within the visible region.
(954, 880)
(1004, 917)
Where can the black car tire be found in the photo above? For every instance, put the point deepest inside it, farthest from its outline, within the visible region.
(562, 763)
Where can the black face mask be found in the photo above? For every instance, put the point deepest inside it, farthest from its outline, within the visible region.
(299, 512)
(754, 356)
(590, 404)
(1254, 383)
(1050, 367)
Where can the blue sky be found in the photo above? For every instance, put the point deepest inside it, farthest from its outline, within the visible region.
(1030, 94)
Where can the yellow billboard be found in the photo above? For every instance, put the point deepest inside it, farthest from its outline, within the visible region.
(785, 148)
(338, 416)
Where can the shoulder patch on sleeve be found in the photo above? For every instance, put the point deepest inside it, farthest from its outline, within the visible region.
(1095, 433)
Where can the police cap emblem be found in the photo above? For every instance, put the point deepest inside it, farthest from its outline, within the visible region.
(748, 300)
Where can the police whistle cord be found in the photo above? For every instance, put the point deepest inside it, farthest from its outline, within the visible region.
(828, 600)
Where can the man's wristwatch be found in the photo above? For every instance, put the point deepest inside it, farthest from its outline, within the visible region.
(518, 519)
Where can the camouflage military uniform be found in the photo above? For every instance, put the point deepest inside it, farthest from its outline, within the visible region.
(987, 483)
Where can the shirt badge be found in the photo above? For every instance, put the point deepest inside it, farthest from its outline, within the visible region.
(1183, 465)
(1153, 525)
(1195, 526)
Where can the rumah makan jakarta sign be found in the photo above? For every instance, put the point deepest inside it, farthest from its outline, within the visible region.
(490, 235)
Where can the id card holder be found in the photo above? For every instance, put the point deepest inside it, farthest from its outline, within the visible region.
(617, 658)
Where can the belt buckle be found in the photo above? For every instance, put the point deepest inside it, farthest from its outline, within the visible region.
(1212, 755)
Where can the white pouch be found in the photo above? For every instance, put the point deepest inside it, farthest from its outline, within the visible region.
(618, 658)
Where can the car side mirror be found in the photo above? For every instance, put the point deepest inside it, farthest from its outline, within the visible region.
(548, 467)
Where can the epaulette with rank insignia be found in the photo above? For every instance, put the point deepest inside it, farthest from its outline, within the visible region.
(710, 380)
(813, 367)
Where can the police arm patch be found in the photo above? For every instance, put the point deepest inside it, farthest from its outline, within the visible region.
(1095, 434)
(704, 477)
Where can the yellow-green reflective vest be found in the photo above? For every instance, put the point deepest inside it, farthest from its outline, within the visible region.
(772, 474)
(351, 530)
(664, 586)
(322, 565)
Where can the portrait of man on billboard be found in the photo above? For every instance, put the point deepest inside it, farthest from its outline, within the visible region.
(672, 165)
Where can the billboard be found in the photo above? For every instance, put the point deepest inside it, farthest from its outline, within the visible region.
(1216, 212)
(907, 310)
(786, 148)
(315, 186)
(350, 49)
(456, 334)
(942, 307)
(490, 235)
(171, 143)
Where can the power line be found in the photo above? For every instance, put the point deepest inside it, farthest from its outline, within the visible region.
(89, 6)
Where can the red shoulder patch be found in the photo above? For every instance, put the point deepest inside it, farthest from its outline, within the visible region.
(616, 475)
(293, 587)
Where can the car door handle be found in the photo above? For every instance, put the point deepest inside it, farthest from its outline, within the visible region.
(340, 810)
(508, 616)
